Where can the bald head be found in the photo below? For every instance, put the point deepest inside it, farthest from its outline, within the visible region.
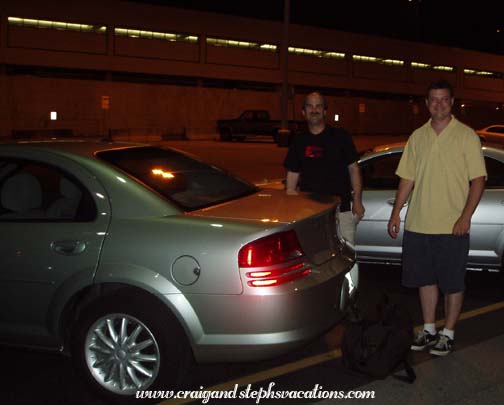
(315, 98)
(314, 111)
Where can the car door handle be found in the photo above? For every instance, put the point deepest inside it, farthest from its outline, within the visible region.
(391, 201)
(68, 247)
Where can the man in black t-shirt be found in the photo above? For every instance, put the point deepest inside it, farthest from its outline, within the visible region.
(323, 160)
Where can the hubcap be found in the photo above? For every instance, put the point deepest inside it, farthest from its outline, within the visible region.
(122, 354)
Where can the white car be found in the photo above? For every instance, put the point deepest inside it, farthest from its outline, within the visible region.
(374, 245)
(493, 133)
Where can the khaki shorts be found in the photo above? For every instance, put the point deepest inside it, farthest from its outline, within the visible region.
(346, 230)
(347, 226)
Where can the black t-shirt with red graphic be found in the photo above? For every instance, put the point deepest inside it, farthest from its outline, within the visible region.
(322, 161)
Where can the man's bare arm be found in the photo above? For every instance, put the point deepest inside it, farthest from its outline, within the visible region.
(356, 181)
(403, 192)
(292, 182)
(476, 190)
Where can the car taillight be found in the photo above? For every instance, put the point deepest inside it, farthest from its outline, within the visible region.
(277, 276)
(274, 250)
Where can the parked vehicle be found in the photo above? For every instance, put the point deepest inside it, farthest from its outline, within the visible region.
(137, 259)
(493, 133)
(254, 122)
(374, 245)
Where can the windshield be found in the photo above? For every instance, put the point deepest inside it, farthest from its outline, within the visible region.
(188, 182)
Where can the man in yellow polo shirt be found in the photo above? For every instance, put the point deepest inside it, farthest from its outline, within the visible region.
(444, 170)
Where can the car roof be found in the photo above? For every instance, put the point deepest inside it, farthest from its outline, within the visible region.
(83, 147)
(492, 149)
(486, 129)
(389, 147)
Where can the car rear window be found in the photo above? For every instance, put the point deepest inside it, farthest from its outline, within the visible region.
(188, 182)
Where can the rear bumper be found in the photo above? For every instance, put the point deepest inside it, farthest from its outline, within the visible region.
(255, 326)
(255, 347)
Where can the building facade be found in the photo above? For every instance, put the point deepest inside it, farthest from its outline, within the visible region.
(120, 67)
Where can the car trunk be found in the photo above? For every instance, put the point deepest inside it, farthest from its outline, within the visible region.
(312, 217)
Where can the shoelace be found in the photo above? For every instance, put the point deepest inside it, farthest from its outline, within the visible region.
(420, 336)
(443, 341)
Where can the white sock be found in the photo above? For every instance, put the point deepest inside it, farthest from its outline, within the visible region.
(430, 327)
(449, 333)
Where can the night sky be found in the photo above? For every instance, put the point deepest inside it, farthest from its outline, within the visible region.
(467, 24)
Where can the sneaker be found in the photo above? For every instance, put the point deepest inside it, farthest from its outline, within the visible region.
(422, 340)
(443, 346)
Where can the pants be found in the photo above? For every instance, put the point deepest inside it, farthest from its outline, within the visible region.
(346, 230)
(347, 226)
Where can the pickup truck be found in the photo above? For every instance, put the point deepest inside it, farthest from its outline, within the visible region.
(254, 122)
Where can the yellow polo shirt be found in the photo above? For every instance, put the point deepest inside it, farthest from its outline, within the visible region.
(441, 167)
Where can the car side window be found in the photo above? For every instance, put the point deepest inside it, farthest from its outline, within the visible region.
(498, 130)
(379, 173)
(262, 116)
(33, 191)
(495, 172)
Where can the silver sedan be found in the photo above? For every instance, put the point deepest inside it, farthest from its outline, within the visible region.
(374, 245)
(136, 259)
(493, 133)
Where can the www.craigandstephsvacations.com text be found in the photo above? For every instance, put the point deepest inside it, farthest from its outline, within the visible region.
(258, 394)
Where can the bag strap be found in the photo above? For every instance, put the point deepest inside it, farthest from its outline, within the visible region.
(410, 374)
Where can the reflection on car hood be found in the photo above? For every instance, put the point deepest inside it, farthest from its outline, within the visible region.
(269, 205)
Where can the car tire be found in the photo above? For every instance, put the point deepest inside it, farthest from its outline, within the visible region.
(127, 343)
(275, 136)
(225, 135)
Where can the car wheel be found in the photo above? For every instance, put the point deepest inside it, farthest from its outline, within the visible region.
(225, 135)
(275, 136)
(124, 344)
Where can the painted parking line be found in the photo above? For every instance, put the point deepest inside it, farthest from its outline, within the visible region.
(271, 183)
(314, 360)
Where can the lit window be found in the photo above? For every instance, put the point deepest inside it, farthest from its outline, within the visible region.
(393, 62)
(165, 36)
(58, 25)
(317, 53)
(444, 68)
(388, 61)
(361, 58)
(419, 65)
(53, 116)
(268, 47)
(231, 43)
(483, 73)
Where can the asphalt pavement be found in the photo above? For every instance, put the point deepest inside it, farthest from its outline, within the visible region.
(472, 375)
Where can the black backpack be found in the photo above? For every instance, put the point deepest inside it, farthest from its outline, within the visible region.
(379, 346)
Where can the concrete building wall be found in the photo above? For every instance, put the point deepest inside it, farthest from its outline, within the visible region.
(168, 110)
(171, 88)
